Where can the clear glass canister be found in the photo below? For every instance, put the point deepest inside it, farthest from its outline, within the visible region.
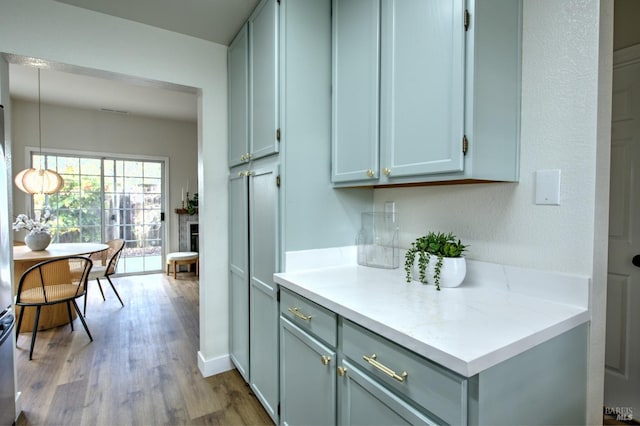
(378, 240)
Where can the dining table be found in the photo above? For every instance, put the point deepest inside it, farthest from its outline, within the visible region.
(24, 258)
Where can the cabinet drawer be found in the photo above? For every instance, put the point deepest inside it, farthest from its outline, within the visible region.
(438, 390)
(309, 316)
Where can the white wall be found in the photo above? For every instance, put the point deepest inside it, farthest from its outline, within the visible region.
(562, 128)
(87, 131)
(68, 35)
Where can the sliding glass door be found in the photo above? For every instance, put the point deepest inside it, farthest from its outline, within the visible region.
(108, 198)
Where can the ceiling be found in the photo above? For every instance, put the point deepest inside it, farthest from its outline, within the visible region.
(213, 20)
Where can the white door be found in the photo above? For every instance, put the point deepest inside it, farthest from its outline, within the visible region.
(622, 360)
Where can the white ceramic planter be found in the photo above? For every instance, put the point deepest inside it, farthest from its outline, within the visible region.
(37, 241)
(452, 273)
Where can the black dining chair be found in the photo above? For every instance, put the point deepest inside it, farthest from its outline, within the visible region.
(60, 280)
(105, 264)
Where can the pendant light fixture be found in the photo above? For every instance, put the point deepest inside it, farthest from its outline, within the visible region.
(40, 181)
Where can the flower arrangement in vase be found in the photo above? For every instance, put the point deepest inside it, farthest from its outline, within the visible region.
(38, 237)
(433, 252)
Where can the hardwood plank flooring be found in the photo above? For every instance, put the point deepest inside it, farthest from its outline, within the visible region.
(141, 368)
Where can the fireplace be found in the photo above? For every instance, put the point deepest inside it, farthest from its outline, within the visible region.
(188, 233)
(193, 236)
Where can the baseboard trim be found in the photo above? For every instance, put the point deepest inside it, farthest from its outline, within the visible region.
(213, 366)
(18, 404)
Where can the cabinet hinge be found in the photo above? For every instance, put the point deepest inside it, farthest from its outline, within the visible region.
(465, 145)
(278, 135)
(467, 19)
(278, 181)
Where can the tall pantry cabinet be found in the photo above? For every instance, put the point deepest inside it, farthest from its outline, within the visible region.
(280, 196)
(253, 203)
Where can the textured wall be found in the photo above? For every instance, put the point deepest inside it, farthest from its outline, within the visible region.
(559, 105)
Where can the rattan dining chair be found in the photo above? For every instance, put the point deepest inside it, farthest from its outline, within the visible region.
(51, 282)
(105, 264)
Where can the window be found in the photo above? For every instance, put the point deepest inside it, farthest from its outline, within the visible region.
(107, 198)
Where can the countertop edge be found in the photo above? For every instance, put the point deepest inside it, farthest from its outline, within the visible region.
(467, 368)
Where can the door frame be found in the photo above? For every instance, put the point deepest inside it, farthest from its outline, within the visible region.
(621, 57)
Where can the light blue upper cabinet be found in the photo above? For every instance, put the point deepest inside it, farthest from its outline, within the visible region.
(492, 92)
(238, 97)
(422, 86)
(449, 97)
(355, 78)
(263, 77)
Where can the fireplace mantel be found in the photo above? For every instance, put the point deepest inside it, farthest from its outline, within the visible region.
(185, 211)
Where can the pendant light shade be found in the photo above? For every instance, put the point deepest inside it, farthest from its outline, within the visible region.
(39, 181)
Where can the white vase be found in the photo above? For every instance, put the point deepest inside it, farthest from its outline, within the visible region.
(37, 240)
(452, 273)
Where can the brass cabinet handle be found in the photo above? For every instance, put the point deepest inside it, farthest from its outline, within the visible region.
(342, 371)
(386, 370)
(241, 174)
(245, 157)
(386, 171)
(370, 173)
(325, 360)
(298, 314)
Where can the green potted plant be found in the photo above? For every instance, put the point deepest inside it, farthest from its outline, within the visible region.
(192, 204)
(436, 253)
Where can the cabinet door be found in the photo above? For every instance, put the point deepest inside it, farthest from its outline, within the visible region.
(264, 105)
(238, 272)
(263, 249)
(238, 97)
(422, 83)
(363, 401)
(308, 379)
(355, 102)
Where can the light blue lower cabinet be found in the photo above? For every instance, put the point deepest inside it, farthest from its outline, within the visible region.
(307, 378)
(367, 379)
(363, 401)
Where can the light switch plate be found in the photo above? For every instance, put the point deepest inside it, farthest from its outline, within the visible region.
(389, 207)
(548, 187)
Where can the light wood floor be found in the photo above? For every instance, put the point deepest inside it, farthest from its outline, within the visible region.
(141, 368)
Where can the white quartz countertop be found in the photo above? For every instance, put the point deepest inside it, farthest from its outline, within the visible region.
(497, 313)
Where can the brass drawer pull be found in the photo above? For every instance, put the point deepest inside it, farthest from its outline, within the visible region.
(325, 359)
(386, 370)
(342, 371)
(298, 314)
